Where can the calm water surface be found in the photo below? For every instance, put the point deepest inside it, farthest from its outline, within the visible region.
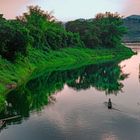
(71, 105)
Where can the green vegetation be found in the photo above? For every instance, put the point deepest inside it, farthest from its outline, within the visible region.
(38, 62)
(38, 92)
(14, 38)
(35, 43)
(105, 31)
(35, 29)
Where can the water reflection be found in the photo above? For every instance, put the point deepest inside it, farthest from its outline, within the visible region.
(105, 77)
(40, 91)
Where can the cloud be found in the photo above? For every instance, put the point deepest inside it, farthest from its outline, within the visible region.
(131, 7)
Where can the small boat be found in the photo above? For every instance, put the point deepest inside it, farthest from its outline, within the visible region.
(3, 121)
(109, 104)
(10, 118)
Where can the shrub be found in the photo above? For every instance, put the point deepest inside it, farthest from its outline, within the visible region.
(14, 38)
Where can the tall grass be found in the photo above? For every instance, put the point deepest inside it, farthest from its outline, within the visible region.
(39, 61)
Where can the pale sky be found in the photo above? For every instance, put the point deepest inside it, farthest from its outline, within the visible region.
(71, 9)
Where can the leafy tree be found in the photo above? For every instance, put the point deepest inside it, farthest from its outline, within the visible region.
(83, 28)
(57, 38)
(111, 29)
(87, 30)
(14, 38)
(37, 21)
(47, 33)
(106, 30)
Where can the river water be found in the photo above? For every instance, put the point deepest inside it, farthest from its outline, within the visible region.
(72, 105)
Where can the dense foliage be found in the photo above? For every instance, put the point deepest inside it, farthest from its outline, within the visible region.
(47, 33)
(37, 29)
(40, 30)
(14, 38)
(106, 30)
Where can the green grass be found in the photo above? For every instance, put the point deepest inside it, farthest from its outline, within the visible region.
(37, 62)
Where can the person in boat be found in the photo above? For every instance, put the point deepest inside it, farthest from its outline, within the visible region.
(109, 104)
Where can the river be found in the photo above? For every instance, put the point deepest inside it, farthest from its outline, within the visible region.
(72, 105)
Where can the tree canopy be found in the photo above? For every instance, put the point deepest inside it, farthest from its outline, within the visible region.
(105, 30)
(39, 29)
(34, 28)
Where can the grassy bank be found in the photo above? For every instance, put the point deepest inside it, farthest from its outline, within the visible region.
(37, 62)
(13, 75)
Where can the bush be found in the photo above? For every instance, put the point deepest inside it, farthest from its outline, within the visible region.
(57, 38)
(111, 29)
(14, 39)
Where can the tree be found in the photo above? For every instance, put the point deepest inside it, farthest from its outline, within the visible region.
(105, 30)
(36, 14)
(37, 21)
(14, 38)
(84, 29)
(47, 33)
(111, 29)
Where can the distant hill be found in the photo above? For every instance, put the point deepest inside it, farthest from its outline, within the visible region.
(133, 24)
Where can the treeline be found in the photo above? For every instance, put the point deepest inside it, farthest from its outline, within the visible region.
(105, 30)
(39, 29)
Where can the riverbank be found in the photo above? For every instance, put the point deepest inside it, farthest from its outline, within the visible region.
(37, 62)
(13, 75)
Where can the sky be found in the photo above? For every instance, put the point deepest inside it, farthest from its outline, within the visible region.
(65, 10)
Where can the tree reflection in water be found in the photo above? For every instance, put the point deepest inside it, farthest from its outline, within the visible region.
(40, 91)
(105, 77)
